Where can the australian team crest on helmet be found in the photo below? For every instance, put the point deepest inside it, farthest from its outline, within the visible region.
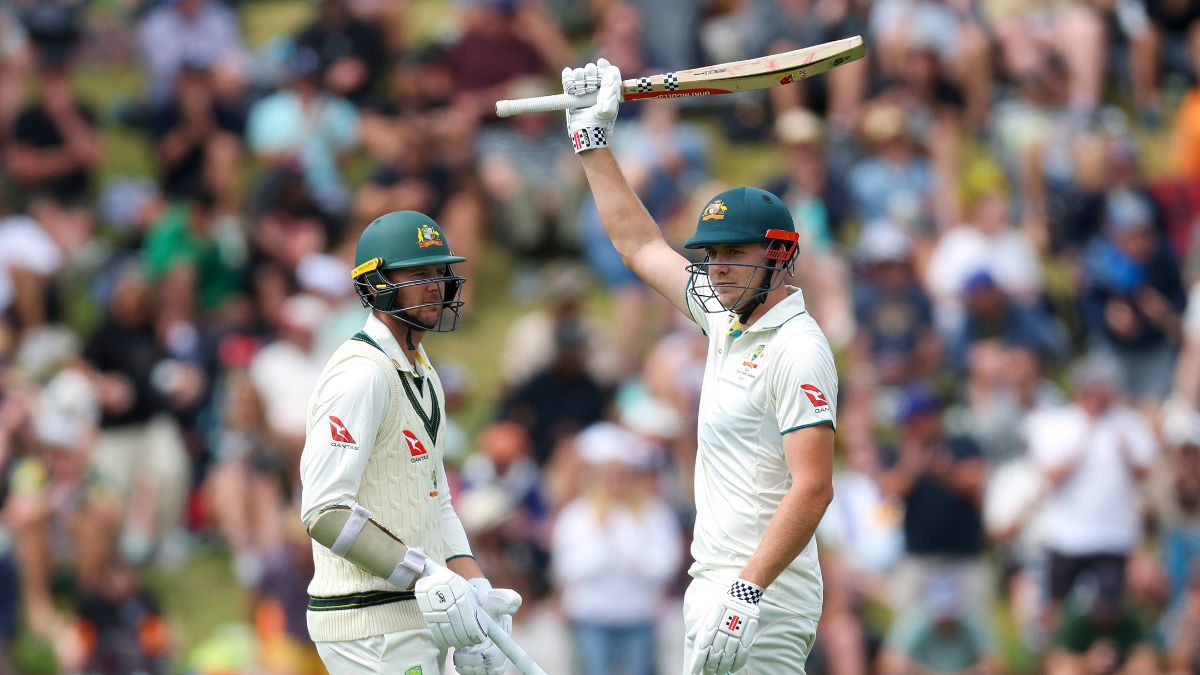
(715, 211)
(427, 236)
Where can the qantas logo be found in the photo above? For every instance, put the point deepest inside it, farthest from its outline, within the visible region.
(415, 447)
(339, 432)
(816, 397)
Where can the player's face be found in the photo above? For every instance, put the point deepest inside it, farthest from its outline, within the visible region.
(429, 294)
(731, 273)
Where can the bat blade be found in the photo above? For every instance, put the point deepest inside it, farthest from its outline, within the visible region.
(748, 75)
(723, 78)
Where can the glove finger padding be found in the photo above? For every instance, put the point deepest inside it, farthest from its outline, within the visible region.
(481, 659)
(451, 609)
(591, 127)
(725, 636)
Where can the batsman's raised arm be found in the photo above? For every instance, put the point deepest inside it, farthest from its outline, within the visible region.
(633, 232)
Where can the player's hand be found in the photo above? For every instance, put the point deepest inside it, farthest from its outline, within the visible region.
(592, 127)
(486, 658)
(723, 640)
(451, 606)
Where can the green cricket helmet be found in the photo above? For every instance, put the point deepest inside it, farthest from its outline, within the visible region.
(400, 240)
(744, 215)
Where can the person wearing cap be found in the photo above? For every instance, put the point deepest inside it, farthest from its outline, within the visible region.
(768, 406)
(390, 590)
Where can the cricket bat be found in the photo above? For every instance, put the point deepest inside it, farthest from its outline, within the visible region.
(723, 78)
(520, 660)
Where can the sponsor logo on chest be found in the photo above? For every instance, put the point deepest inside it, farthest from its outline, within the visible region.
(750, 364)
(416, 449)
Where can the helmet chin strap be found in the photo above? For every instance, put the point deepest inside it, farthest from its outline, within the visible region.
(759, 298)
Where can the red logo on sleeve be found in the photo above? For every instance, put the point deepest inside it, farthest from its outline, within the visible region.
(815, 395)
(339, 432)
(415, 448)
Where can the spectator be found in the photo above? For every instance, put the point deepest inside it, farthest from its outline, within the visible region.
(140, 453)
(940, 479)
(894, 182)
(304, 126)
(1093, 452)
(33, 254)
(55, 147)
(989, 243)
(122, 627)
(895, 320)
(526, 171)
(816, 195)
(940, 635)
(186, 255)
(529, 346)
(559, 400)
(992, 315)
(352, 52)
(1133, 298)
(502, 40)
(1104, 637)
(616, 549)
(1005, 384)
(197, 139)
(197, 32)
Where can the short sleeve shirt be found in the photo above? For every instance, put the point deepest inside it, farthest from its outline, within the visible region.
(777, 377)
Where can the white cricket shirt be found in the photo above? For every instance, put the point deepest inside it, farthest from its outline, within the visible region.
(777, 376)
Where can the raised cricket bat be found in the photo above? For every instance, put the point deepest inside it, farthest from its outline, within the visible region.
(723, 78)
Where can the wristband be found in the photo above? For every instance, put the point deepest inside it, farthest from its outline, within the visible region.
(409, 569)
(746, 591)
(589, 138)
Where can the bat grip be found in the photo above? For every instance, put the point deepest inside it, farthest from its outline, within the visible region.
(537, 104)
(522, 661)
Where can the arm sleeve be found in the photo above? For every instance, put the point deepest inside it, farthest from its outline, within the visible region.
(454, 535)
(351, 401)
(802, 382)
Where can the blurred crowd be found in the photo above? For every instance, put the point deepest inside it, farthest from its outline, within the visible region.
(998, 210)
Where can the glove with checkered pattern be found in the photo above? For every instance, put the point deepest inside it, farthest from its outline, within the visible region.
(592, 127)
(722, 643)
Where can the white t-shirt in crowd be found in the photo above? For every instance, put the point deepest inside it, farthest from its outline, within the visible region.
(1095, 510)
(615, 571)
(24, 244)
(284, 375)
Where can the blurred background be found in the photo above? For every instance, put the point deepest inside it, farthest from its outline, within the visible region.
(998, 210)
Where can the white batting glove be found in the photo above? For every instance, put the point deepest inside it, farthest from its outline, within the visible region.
(451, 607)
(486, 658)
(722, 643)
(592, 127)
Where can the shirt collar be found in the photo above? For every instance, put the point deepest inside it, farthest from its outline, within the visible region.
(378, 332)
(787, 309)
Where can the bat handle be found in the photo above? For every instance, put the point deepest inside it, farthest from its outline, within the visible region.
(522, 661)
(537, 104)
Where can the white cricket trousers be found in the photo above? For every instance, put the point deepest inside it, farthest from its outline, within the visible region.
(783, 641)
(409, 652)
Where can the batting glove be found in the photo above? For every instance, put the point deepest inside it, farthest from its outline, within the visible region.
(486, 658)
(592, 127)
(451, 607)
(722, 643)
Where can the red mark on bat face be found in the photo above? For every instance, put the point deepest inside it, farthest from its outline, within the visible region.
(787, 79)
